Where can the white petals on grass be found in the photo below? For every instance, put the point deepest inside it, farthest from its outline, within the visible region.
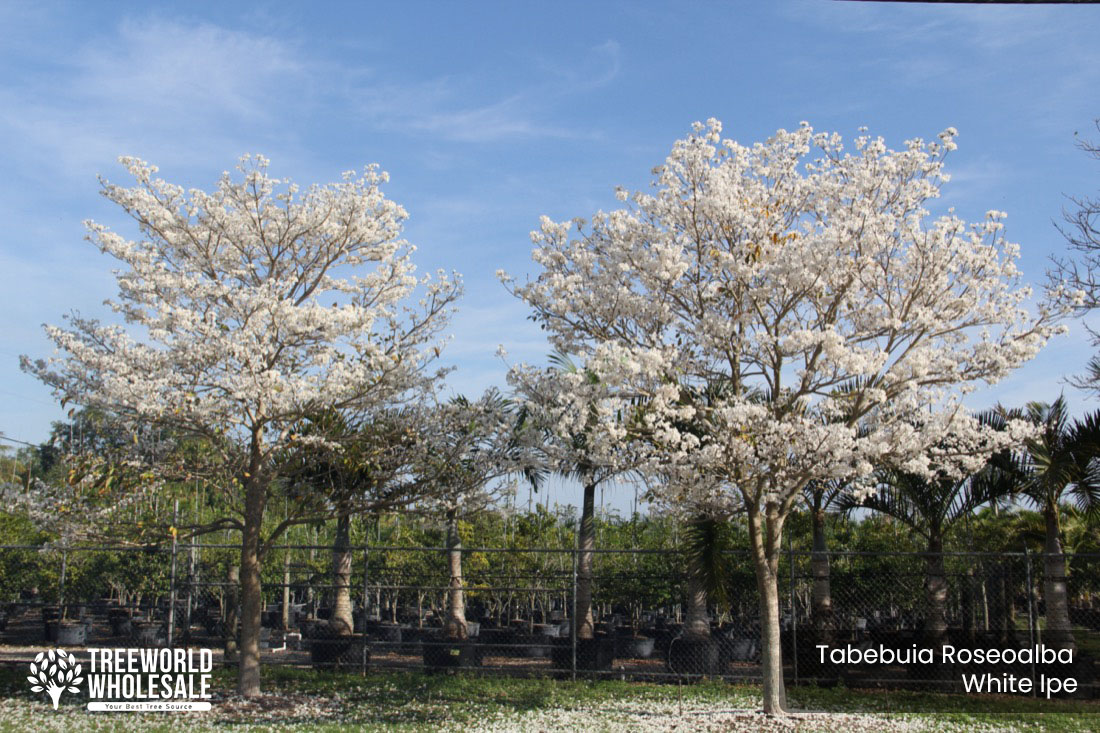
(299, 711)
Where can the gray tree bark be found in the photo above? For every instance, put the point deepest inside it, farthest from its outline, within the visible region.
(822, 598)
(935, 588)
(232, 601)
(455, 627)
(1058, 632)
(696, 621)
(765, 532)
(252, 599)
(248, 680)
(343, 620)
(586, 542)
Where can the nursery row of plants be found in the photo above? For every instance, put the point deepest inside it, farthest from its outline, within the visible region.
(520, 583)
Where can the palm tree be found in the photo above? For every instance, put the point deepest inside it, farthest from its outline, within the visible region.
(1059, 462)
(575, 460)
(819, 496)
(929, 507)
(706, 543)
(364, 472)
(476, 443)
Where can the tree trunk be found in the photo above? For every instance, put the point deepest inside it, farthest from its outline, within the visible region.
(455, 628)
(586, 541)
(765, 533)
(935, 588)
(1059, 632)
(822, 600)
(342, 621)
(252, 599)
(696, 622)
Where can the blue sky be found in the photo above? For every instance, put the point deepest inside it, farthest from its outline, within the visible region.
(487, 115)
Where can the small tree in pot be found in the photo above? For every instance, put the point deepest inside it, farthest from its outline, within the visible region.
(471, 447)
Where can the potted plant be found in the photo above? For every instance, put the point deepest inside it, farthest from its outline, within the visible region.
(329, 650)
(119, 620)
(633, 644)
(695, 651)
(71, 633)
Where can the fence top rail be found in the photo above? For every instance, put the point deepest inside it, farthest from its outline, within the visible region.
(150, 549)
(180, 547)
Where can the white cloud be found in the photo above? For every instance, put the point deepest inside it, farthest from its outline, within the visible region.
(440, 107)
(175, 68)
(168, 91)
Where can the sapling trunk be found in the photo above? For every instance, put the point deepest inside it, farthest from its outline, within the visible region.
(286, 591)
(455, 628)
(1058, 632)
(231, 599)
(935, 588)
(342, 621)
(822, 599)
(586, 542)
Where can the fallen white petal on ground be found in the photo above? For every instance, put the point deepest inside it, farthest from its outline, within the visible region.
(304, 712)
(638, 717)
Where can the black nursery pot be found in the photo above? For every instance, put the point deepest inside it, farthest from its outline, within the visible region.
(634, 647)
(694, 656)
(497, 642)
(145, 633)
(388, 633)
(441, 653)
(119, 619)
(532, 646)
(593, 655)
(71, 633)
(50, 616)
(349, 651)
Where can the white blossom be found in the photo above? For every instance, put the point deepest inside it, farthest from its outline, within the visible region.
(788, 311)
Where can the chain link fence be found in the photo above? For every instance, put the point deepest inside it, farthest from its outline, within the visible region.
(649, 621)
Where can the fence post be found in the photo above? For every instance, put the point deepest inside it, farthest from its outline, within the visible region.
(573, 612)
(231, 610)
(366, 593)
(190, 592)
(794, 615)
(1031, 621)
(172, 576)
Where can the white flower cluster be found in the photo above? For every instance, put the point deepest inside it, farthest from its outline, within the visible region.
(252, 305)
(830, 322)
(74, 512)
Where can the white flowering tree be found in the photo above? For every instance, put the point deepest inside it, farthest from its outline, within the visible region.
(248, 309)
(814, 288)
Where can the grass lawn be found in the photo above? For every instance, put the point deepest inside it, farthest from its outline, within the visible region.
(394, 701)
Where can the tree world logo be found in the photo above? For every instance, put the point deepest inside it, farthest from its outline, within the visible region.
(54, 672)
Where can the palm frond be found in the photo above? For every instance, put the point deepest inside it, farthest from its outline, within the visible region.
(706, 543)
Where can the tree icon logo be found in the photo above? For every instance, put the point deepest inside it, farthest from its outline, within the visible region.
(55, 671)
